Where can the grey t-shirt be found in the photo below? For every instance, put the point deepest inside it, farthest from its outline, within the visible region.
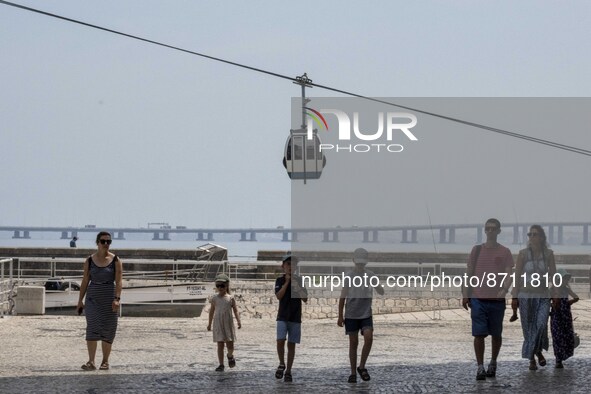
(358, 302)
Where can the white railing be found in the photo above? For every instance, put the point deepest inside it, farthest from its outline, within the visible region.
(6, 287)
(47, 268)
(53, 269)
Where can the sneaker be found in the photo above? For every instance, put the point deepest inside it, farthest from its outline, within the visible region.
(491, 371)
(481, 374)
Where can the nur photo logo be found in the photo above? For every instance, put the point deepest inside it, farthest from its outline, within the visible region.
(391, 126)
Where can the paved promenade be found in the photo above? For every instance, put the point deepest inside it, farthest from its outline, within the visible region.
(412, 353)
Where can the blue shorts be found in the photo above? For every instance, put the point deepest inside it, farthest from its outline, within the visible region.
(487, 317)
(352, 326)
(290, 330)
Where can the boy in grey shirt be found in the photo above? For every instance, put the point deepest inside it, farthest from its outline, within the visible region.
(357, 295)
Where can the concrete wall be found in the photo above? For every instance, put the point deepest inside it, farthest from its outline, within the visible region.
(83, 253)
(256, 300)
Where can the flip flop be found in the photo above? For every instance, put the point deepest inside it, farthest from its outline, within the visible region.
(279, 372)
(364, 374)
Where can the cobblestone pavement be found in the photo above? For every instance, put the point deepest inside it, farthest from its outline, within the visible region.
(412, 353)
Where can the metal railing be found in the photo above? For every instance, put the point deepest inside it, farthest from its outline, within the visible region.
(6, 287)
(64, 276)
(73, 268)
(22, 271)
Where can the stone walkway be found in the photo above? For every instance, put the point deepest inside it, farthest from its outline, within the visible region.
(412, 353)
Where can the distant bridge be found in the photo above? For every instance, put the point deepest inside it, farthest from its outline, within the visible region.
(408, 234)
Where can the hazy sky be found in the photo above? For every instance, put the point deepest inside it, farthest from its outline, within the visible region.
(102, 129)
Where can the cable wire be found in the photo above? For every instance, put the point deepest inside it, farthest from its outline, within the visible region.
(552, 144)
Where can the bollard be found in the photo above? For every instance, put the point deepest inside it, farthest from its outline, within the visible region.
(30, 300)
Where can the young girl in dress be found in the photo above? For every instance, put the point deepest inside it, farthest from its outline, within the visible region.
(220, 313)
(561, 320)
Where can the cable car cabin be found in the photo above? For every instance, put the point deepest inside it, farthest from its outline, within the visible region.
(303, 158)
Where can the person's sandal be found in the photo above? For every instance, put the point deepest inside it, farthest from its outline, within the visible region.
(287, 377)
(541, 360)
(559, 365)
(532, 365)
(491, 371)
(364, 374)
(279, 372)
(231, 361)
(220, 368)
(352, 379)
(104, 366)
(89, 366)
(513, 318)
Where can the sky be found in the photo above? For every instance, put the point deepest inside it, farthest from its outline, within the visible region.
(101, 129)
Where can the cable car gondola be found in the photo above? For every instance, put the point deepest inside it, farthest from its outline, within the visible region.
(303, 158)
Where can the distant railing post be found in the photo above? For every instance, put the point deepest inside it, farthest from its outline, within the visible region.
(6, 286)
(1, 289)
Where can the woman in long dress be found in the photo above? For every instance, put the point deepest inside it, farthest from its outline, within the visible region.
(534, 272)
(102, 284)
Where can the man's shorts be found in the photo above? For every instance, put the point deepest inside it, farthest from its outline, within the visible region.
(289, 330)
(352, 326)
(487, 317)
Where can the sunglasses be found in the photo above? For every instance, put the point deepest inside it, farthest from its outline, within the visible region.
(490, 228)
(105, 241)
(533, 234)
(220, 285)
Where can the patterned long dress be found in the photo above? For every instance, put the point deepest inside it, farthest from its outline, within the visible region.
(101, 321)
(561, 325)
(534, 308)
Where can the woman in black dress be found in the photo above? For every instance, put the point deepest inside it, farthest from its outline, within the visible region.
(102, 283)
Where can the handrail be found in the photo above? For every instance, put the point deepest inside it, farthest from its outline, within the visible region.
(6, 287)
(237, 269)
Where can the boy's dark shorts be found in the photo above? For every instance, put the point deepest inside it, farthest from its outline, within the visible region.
(352, 326)
(487, 317)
